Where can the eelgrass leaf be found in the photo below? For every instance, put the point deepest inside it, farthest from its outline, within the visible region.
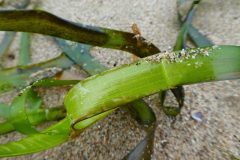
(53, 83)
(22, 76)
(198, 38)
(49, 138)
(182, 35)
(164, 73)
(31, 111)
(194, 67)
(35, 117)
(9, 36)
(42, 22)
(24, 51)
(80, 54)
(142, 112)
(6, 42)
(21, 105)
(144, 149)
(4, 110)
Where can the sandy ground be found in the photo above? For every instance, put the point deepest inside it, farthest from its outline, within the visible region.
(216, 137)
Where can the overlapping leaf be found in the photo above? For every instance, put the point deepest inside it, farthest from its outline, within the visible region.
(194, 67)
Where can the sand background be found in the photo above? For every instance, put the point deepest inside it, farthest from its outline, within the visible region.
(216, 137)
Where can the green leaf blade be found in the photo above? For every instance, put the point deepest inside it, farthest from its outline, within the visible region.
(42, 22)
(24, 54)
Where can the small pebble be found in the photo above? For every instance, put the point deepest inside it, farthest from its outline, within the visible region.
(197, 115)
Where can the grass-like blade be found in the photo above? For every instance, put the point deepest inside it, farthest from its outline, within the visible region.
(198, 38)
(4, 110)
(142, 112)
(35, 117)
(49, 138)
(42, 22)
(80, 54)
(21, 105)
(164, 71)
(54, 83)
(181, 39)
(22, 76)
(6, 42)
(9, 36)
(24, 52)
(195, 66)
(144, 149)
(186, 30)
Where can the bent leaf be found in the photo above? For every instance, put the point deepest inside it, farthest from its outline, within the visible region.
(35, 117)
(163, 71)
(42, 22)
(21, 105)
(169, 71)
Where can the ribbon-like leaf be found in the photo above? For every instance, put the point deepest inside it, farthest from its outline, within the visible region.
(163, 71)
(42, 22)
(21, 105)
(22, 76)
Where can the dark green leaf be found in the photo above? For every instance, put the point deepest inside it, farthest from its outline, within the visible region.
(37, 21)
(197, 37)
(144, 149)
(80, 54)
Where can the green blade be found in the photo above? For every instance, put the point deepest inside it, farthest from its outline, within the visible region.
(169, 71)
(22, 76)
(26, 102)
(163, 71)
(42, 22)
(181, 39)
(144, 149)
(9, 36)
(80, 54)
(49, 138)
(24, 54)
(4, 110)
(142, 112)
(36, 117)
(197, 37)
(6, 42)
(25, 112)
